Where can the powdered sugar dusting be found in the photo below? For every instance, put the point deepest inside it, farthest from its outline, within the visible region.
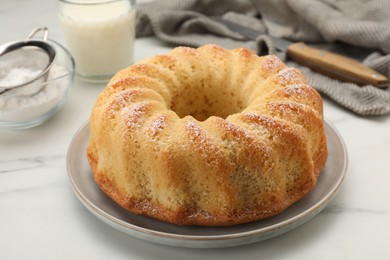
(236, 131)
(255, 117)
(134, 116)
(287, 108)
(119, 101)
(188, 51)
(272, 63)
(290, 76)
(196, 131)
(295, 89)
(265, 120)
(157, 125)
(126, 97)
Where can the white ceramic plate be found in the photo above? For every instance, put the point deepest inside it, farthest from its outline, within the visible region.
(104, 208)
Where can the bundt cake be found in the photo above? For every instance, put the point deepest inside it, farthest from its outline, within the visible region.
(207, 136)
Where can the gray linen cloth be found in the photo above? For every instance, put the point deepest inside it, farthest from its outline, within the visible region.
(356, 22)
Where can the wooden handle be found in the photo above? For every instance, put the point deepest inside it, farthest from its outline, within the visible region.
(335, 66)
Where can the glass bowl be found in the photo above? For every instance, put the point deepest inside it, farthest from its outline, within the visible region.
(29, 109)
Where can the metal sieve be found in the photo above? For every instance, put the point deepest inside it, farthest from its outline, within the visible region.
(31, 55)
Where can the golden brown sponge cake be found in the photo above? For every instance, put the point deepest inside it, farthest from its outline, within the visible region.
(207, 136)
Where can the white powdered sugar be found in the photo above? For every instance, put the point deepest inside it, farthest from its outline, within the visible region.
(290, 76)
(18, 75)
(134, 115)
(24, 107)
(158, 124)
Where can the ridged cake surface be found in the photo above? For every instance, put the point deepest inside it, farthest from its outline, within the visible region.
(207, 136)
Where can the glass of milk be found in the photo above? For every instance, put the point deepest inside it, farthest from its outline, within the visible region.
(100, 35)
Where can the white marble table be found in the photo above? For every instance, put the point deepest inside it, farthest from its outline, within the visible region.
(41, 218)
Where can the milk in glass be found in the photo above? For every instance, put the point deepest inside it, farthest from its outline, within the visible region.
(99, 35)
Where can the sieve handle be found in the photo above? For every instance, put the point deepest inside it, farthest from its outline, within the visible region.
(45, 33)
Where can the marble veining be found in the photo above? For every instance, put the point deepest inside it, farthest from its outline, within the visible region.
(25, 164)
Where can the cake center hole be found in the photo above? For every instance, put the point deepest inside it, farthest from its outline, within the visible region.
(203, 101)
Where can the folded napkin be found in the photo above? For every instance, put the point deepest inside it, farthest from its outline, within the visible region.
(356, 22)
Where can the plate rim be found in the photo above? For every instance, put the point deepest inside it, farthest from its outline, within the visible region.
(298, 219)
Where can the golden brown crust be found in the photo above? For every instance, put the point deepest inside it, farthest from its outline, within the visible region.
(207, 136)
(189, 216)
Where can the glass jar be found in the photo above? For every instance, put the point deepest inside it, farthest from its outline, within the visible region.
(100, 35)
